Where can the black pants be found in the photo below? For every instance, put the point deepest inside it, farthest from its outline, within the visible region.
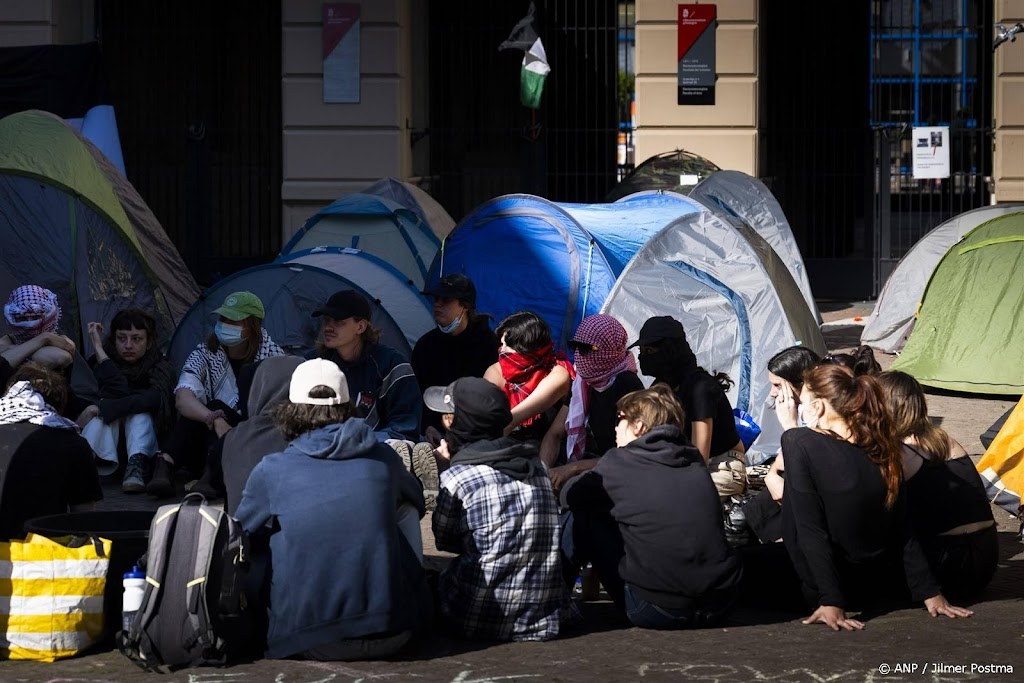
(189, 441)
(593, 537)
(963, 565)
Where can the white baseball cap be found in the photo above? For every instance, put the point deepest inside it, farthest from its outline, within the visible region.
(314, 373)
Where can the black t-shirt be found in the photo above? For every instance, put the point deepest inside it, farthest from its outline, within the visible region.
(703, 398)
(603, 415)
(945, 495)
(439, 359)
(44, 470)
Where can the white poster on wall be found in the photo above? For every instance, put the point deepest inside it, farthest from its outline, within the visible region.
(931, 152)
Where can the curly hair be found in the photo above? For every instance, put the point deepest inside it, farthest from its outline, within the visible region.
(860, 402)
(50, 384)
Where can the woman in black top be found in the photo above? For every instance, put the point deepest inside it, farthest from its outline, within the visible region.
(666, 356)
(844, 517)
(948, 505)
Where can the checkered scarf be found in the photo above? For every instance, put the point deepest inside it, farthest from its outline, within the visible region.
(596, 369)
(524, 371)
(22, 403)
(31, 299)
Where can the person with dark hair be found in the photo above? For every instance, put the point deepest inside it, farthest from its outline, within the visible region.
(381, 381)
(257, 436)
(667, 565)
(206, 394)
(46, 468)
(709, 423)
(948, 504)
(845, 520)
(861, 361)
(348, 583)
(462, 345)
(605, 372)
(134, 403)
(532, 375)
(496, 511)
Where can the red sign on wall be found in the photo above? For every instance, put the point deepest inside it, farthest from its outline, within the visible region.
(696, 55)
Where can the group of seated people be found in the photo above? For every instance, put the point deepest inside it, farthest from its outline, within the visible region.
(538, 465)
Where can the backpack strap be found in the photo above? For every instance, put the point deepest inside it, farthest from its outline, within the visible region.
(135, 644)
(198, 614)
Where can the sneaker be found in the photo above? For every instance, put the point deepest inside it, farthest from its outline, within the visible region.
(161, 485)
(133, 475)
(404, 450)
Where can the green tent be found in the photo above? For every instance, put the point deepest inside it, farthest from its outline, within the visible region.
(70, 222)
(969, 333)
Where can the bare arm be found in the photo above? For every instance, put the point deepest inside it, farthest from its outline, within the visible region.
(549, 392)
(189, 406)
(59, 350)
(493, 375)
(549, 445)
(700, 435)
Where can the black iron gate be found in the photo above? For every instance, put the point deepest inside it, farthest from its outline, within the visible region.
(483, 142)
(197, 91)
(931, 67)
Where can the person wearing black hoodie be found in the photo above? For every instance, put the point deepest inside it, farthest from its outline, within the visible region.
(649, 519)
(496, 511)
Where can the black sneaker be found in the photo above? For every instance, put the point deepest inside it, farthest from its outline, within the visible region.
(134, 481)
(161, 485)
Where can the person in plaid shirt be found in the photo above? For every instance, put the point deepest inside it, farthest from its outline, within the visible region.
(497, 512)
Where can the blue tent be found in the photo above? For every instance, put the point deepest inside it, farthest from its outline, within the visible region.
(375, 225)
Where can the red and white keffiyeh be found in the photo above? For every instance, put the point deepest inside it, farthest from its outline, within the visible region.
(31, 300)
(596, 369)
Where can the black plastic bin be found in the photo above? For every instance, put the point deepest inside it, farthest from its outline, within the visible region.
(129, 531)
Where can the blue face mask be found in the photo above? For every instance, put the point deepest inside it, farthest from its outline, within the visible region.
(228, 335)
(450, 327)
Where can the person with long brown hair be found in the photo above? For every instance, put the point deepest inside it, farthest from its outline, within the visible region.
(845, 523)
(206, 394)
(948, 505)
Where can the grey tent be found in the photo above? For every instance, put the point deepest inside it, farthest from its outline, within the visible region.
(735, 298)
(893, 317)
(416, 200)
(749, 199)
(290, 292)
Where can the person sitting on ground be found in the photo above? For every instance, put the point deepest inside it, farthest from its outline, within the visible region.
(534, 378)
(845, 522)
(32, 314)
(46, 468)
(709, 423)
(343, 517)
(605, 372)
(246, 445)
(786, 375)
(206, 394)
(949, 508)
(496, 512)
(135, 384)
(462, 345)
(860, 360)
(666, 564)
(381, 381)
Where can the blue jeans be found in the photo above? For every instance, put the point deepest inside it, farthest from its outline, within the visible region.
(593, 537)
(705, 612)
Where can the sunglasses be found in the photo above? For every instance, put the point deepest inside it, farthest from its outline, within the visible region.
(583, 348)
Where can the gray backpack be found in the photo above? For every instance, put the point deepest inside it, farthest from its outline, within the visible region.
(194, 611)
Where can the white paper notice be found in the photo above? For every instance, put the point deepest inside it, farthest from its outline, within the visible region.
(931, 152)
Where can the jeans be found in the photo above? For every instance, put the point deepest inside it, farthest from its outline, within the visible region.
(139, 436)
(358, 649)
(705, 611)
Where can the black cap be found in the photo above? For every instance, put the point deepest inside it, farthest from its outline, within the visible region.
(454, 286)
(347, 303)
(440, 399)
(659, 328)
(481, 409)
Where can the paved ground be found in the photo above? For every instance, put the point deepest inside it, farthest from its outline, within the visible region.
(904, 645)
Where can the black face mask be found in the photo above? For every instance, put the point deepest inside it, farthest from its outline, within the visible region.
(658, 365)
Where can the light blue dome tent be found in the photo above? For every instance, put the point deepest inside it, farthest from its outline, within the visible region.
(375, 225)
(290, 292)
(565, 261)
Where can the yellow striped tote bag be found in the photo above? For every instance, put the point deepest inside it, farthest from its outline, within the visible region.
(51, 597)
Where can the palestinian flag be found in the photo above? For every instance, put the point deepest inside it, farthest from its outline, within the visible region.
(535, 61)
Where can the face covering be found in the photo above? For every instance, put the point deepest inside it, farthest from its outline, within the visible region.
(450, 327)
(228, 335)
(813, 424)
(656, 365)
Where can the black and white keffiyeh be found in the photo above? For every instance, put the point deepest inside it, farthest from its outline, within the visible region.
(209, 376)
(22, 403)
